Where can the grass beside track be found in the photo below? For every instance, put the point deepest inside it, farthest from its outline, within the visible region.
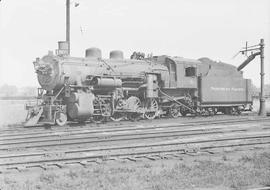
(227, 171)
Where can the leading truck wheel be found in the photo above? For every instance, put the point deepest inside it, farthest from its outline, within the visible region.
(61, 119)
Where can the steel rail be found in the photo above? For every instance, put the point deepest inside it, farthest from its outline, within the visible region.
(113, 133)
(123, 124)
(101, 139)
(115, 138)
(52, 134)
(93, 149)
(134, 153)
(136, 127)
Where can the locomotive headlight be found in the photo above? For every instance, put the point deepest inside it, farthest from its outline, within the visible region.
(43, 69)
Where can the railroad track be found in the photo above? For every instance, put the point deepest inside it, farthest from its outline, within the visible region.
(81, 126)
(97, 136)
(151, 126)
(95, 145)
(133, 153)
(122, 126)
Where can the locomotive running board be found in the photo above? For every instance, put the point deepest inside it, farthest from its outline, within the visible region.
(32, 121)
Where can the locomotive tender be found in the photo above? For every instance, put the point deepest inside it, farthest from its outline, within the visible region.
(92, 88)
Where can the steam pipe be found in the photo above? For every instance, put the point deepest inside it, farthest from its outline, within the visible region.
(247, 61)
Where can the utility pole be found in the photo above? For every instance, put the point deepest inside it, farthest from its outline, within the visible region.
(259, 50)
(262, 111)
(68, 24)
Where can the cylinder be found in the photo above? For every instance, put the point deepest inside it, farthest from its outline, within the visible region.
(93, 53)
(74, 97)
(116, 54)
(80, 105)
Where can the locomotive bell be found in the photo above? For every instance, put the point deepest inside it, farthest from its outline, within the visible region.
(93, 53)
(116, 54)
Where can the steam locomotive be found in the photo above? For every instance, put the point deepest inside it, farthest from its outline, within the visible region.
(96, 89)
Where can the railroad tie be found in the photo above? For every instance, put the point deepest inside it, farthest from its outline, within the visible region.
(84, 163)
(131, 159)
(150, 158)
(21, 168)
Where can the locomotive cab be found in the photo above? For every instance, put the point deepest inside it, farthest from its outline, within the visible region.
(182, 72)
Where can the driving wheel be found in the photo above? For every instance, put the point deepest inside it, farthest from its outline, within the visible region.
(152, 109)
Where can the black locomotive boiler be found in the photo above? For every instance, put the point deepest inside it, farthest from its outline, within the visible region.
(97, 89)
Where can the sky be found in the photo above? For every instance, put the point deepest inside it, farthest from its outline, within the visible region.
(217, 29)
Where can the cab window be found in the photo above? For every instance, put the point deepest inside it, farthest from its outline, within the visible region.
(190, 71)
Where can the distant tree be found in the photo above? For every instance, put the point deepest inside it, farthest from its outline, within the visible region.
(8, 90)
(267, 89)
(28, 91)
(256, 90)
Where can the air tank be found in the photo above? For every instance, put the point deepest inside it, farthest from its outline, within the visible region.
(107, 82)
